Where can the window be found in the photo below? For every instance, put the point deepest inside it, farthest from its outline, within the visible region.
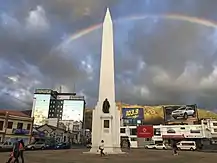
(188, 144)
(28, 126)
(75, 127)
(1, 125)
(10, 125)
(157, 132)
(195, 131)
(215, 129)
(39, 143)
(19, 125)
(182, 128)
(122, 130)
(205, 123)
(214, 124)
(133, 131)
(106, 123)
(171, 131)
(133, 139)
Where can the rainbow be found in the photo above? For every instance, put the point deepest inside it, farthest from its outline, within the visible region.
(189, 19)
(195, 20)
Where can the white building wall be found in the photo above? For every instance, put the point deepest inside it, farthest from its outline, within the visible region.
(132, 138)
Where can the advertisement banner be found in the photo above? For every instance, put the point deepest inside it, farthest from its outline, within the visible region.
(180, 113)
(145, 131)
(132, 113)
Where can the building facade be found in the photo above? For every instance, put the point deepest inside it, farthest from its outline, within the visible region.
(14, 124)
(58, 134)
(49, 104)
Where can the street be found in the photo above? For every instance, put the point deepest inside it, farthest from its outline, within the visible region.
(135, 156)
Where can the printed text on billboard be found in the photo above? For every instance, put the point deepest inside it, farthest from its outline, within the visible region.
(132, 113)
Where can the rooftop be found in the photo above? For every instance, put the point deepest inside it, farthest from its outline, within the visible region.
(13, 112)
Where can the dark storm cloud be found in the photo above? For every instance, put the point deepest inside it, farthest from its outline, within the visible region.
(157, 61)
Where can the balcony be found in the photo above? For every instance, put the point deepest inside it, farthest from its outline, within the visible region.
(20, 131)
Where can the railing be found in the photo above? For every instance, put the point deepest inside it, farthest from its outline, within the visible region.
(20, 131)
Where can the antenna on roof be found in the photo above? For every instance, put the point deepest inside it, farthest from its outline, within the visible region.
(60, 90)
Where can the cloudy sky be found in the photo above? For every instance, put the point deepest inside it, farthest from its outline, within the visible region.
(158, 59)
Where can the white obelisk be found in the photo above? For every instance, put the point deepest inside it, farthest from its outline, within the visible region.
(106, 126)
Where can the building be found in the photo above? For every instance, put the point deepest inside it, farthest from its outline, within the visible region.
(73, 127)
(15, 124)
(130, 133)
(209, 127)
(48, 104)
(58, 134)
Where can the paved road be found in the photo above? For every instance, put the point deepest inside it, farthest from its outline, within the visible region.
(135, 156)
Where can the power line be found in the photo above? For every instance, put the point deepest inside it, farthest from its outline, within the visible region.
(22, 101)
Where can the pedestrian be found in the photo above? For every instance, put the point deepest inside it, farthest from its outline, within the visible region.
(101, 148)
(11, 158)
(128, 144)
(21, 149)
(16, 150)
(174, 146)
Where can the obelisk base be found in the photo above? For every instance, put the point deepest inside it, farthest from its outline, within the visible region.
(111, 150)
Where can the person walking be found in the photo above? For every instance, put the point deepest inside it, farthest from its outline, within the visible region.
(11, 157)
(21, 149)
(101, 148)
(16, 151)
(174, 146)
(128, 144)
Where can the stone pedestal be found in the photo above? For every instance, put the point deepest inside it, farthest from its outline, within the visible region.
(106, 127)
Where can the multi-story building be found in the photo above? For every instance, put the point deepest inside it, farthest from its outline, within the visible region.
(204, 133)
(49, 104)
(129, 132)
(15, 124)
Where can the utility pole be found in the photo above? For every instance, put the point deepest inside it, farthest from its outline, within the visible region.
(60, 89)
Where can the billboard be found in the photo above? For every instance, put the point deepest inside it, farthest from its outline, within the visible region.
(132, 113)
(180, 113)
(73, 110)
(145, 131)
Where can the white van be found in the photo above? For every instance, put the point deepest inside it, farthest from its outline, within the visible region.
(187, 145)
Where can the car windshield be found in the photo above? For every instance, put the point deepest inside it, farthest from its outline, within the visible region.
(182, 108)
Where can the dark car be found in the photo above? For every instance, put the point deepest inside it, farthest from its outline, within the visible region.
(50, 146)
(62, 146)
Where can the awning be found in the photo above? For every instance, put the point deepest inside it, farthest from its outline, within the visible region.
(173, 136)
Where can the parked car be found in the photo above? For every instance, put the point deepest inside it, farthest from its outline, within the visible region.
(36, 145)
(187, 145)
(161, 146)
(62, 146)
(6, 145)
(183, 112)
(157, 146)
(150, 146)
